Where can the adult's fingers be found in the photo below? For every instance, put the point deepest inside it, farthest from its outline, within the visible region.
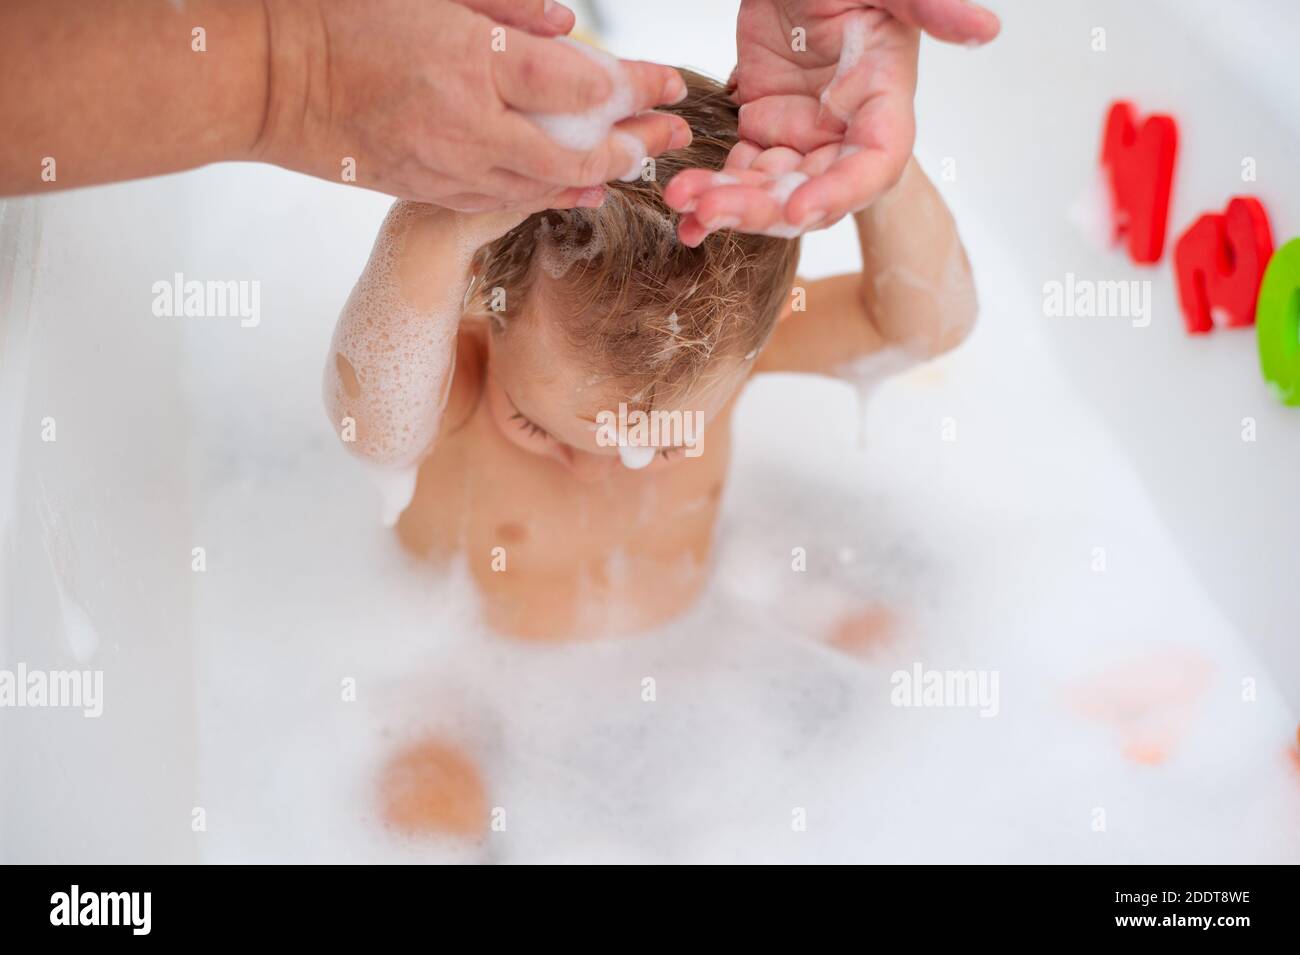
(535, 75)
(618, 155)
(512, 189)
(954, 21)
(877, 145)
(653, 84)
(748, 208)
(745, 208)
(754, 194)
(590, 198)
(851, 183)
(746, 166)
(477, 202)
(539, 17)
(777, 161)
(532, 74)
(467, 202)
(885, 72)
(683, 192)
(742, 155)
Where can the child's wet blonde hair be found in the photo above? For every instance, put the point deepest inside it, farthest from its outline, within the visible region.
(643, 309)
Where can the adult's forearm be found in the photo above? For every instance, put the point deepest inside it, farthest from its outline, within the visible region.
(99, 90)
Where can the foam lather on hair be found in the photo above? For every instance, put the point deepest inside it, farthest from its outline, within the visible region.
(559, 246)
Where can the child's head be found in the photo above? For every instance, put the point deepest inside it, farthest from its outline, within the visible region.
(591, 308)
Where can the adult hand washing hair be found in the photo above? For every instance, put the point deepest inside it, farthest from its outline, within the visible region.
(825, 89)
(424, 99)
(466, 104)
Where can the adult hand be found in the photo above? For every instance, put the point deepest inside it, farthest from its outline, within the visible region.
(430, 99)
(539, 17)
(826, 121)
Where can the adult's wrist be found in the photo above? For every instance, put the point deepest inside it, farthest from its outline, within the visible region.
(295, 43)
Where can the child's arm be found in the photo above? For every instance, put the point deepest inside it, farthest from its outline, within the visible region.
(914, 294)
(392, 357)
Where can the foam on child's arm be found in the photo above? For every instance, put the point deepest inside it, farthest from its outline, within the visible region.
(393, 354)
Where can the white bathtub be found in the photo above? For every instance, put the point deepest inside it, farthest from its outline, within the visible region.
(222, 687)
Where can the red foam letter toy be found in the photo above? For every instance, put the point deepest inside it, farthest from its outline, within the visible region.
(1220, 261)
(1140, 168)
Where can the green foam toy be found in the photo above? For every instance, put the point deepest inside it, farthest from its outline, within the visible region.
(1277, 324)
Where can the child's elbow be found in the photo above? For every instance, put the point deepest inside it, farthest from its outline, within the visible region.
(923, 313)
(956, 306)
(956, 322)
(341, 391)
(929, 325)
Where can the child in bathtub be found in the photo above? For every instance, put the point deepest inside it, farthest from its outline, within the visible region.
(481, 362)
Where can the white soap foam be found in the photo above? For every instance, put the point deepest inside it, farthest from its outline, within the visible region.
(396, 487)
(868, 373)
(576, 237)
(754, 712)
(588, 129)
(781, 188)
(636, 151)
(635, 457)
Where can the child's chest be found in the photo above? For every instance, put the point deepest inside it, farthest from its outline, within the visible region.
(553, 555)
